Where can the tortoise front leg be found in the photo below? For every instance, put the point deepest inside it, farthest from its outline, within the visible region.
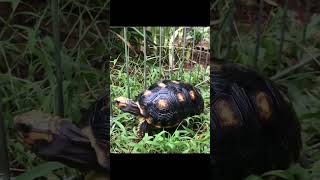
(142, 128)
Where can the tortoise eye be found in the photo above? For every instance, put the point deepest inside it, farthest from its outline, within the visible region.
(23, 127)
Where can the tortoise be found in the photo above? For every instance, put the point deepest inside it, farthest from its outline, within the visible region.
(254, 127)
(163, 105)
(53, 138)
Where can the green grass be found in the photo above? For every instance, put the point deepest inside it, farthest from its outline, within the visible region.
(27, 70)
(191, 136)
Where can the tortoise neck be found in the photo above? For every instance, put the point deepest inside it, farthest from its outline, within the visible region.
(132, 108)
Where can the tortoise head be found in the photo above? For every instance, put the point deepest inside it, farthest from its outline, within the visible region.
(56, 139)
(35, 127)
(127, 105)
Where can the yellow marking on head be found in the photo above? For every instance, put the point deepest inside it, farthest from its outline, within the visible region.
(121, 102)
(147, 93)
(121, 98)
(162, 104)
(180, 97)
(162, 85)
(35, 136)
(35, 119)
(227, 115)
(192, 95)
(263, 105)
(176, 82)
(121, 105)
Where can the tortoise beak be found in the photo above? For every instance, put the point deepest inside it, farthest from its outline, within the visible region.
(121, 105)
(121, 102)
(23, 128)
(29, 134)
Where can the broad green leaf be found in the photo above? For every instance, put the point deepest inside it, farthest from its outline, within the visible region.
(41, 170)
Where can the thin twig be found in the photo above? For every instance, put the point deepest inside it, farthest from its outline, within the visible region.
(57, 57)
(13, 29)
(17, 170)
(73, 28)
(127, 42)
(90, 90)
(207, 80)
(295, 67)
(237, 32)
(97, 28)
(90, 25)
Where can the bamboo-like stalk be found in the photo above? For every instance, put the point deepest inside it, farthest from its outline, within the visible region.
(171, 64)
(57, 57)
(305, 27)
(283, 27)
(231, 29)
(259, 19)
(127, 61)
(199, 62)
(145, 58)
(192, 50)
(4, 159)
(183, 52)
(160, 39)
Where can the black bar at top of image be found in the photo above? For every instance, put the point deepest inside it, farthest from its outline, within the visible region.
(159, 13)
(160, 166)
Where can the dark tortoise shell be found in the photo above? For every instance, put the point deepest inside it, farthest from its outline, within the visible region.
(254, 126)
(168, 102)
(163, 105)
